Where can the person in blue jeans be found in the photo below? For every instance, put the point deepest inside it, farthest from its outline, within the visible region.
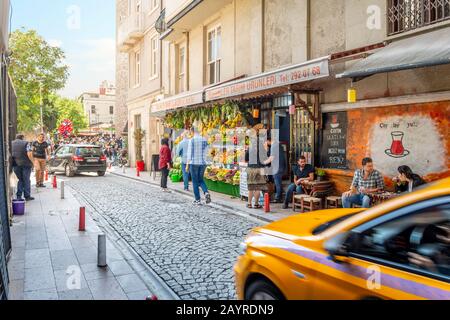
(182, 151)
(302, 172)
(22, 156)
(197, 153)
(366, 181)
(277, 162)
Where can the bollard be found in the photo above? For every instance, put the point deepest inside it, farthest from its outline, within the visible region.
(82, 225)
(138, 173)
(124, 169)
(266, 203)
(55, 182)
(62, 189)
(152, 298)
(46, 175)
(101, 260)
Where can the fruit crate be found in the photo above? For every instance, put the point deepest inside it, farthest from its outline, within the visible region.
(222, 187)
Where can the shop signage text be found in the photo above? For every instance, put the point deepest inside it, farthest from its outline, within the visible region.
(295, 74)
(178, 102)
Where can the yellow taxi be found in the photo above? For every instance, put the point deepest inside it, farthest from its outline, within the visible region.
(397, 250)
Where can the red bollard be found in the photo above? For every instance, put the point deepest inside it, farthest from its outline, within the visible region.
(46, 175)
(55, 182)
(82, 225)
(266, 203)
(138, 172)
(152, 298)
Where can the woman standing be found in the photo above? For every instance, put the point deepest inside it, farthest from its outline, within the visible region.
(165, 163)
(407, 181)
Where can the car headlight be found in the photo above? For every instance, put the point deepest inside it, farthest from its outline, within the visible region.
(242, 248)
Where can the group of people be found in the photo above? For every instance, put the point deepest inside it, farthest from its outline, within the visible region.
(192, 150)
(26, 156)
(368, 181)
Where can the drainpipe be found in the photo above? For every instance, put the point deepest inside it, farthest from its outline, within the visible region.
(263, 35)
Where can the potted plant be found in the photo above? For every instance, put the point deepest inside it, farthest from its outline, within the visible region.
(321, 175)
(139, 136)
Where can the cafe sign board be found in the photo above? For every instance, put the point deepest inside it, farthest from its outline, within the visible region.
(311, 70)
(176, 102)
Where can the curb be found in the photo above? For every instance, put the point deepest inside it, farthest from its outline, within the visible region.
(156, 284)
(217, 205)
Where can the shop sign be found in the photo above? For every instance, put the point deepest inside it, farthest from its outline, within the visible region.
(334, 143)
(177, 102)
(308, 71)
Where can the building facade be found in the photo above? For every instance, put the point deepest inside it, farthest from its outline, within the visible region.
(100, 107)
(296, 61)
(7, 130)
(139, 43)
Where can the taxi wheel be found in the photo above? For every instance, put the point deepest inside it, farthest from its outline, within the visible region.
(69, 171)
(263, 290)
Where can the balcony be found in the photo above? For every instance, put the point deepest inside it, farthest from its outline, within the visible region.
(130, 31)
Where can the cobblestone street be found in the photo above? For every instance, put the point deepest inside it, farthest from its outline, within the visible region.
(191, 248)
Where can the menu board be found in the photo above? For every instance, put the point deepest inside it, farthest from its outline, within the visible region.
(333, 152)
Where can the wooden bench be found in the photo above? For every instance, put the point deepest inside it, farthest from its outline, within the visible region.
(311, 204)
(297, 201)
(333, 202)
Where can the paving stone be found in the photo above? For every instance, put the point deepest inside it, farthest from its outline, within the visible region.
(37, 258)
(39, 278)
(16, 270)
(120, 268)
(131, 283)
(70, 279)
(93, 272)
(139, 295)
(106, 289)
(83, 294)
(16, 290)
(45, 294)
(63, 259)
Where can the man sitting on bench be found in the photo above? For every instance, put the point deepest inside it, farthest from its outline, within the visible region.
(303, 172)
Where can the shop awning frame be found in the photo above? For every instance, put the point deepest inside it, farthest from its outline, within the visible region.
(425, 50)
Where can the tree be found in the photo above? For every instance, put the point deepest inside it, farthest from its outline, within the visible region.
(38, 71)
(72, 110)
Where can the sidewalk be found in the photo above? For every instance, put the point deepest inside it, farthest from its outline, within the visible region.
(235, 204)
(52, 260)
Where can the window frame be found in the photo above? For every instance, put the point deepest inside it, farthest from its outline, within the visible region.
(137, 69)
(154, 48)
(402, 212)
(154, 5)
(182, 47)
(217, 59)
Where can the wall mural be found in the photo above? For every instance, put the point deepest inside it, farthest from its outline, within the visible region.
(407, 140)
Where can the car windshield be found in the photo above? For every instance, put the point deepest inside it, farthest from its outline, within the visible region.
(88, 151)
(331, 223)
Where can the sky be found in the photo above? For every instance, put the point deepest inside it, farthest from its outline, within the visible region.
(84, 29)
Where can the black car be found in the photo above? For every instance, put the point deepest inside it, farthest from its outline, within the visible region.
(73, 159)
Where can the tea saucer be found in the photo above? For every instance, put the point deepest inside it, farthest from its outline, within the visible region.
(390, 154)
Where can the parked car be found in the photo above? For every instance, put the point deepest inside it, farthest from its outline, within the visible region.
(73, 159)
(396, 250)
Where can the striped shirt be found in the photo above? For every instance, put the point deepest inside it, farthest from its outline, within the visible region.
(374, 181)
(197, 151)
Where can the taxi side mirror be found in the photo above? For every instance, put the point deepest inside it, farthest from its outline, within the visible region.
(338, 247)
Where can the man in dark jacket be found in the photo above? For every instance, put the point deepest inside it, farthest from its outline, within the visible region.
(22, 165)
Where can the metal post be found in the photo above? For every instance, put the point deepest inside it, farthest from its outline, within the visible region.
(62, 189)
(101, 251)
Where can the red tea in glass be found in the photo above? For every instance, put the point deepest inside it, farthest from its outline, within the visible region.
(397, 147)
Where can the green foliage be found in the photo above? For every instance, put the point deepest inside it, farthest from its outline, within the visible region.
(69, 109)
(37, 71)
(139, 136)
(321, 173)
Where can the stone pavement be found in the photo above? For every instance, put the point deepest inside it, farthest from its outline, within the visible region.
(52, 260)
(231, 203)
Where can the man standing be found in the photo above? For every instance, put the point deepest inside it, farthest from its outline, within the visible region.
(197, 151)
(22, 166)
(182, 151)
(40, 156)
(277, 162)
(366, 181)
(303, 172)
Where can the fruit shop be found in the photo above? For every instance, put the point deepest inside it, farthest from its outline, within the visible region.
(225, 126)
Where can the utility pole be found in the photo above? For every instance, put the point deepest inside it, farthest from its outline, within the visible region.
(41, 106)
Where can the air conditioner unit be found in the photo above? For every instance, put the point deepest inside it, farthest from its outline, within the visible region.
(4, 24)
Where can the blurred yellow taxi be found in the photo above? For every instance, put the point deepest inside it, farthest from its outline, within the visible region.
(396, 250)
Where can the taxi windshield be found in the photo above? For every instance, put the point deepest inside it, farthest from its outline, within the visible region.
(332, 223)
